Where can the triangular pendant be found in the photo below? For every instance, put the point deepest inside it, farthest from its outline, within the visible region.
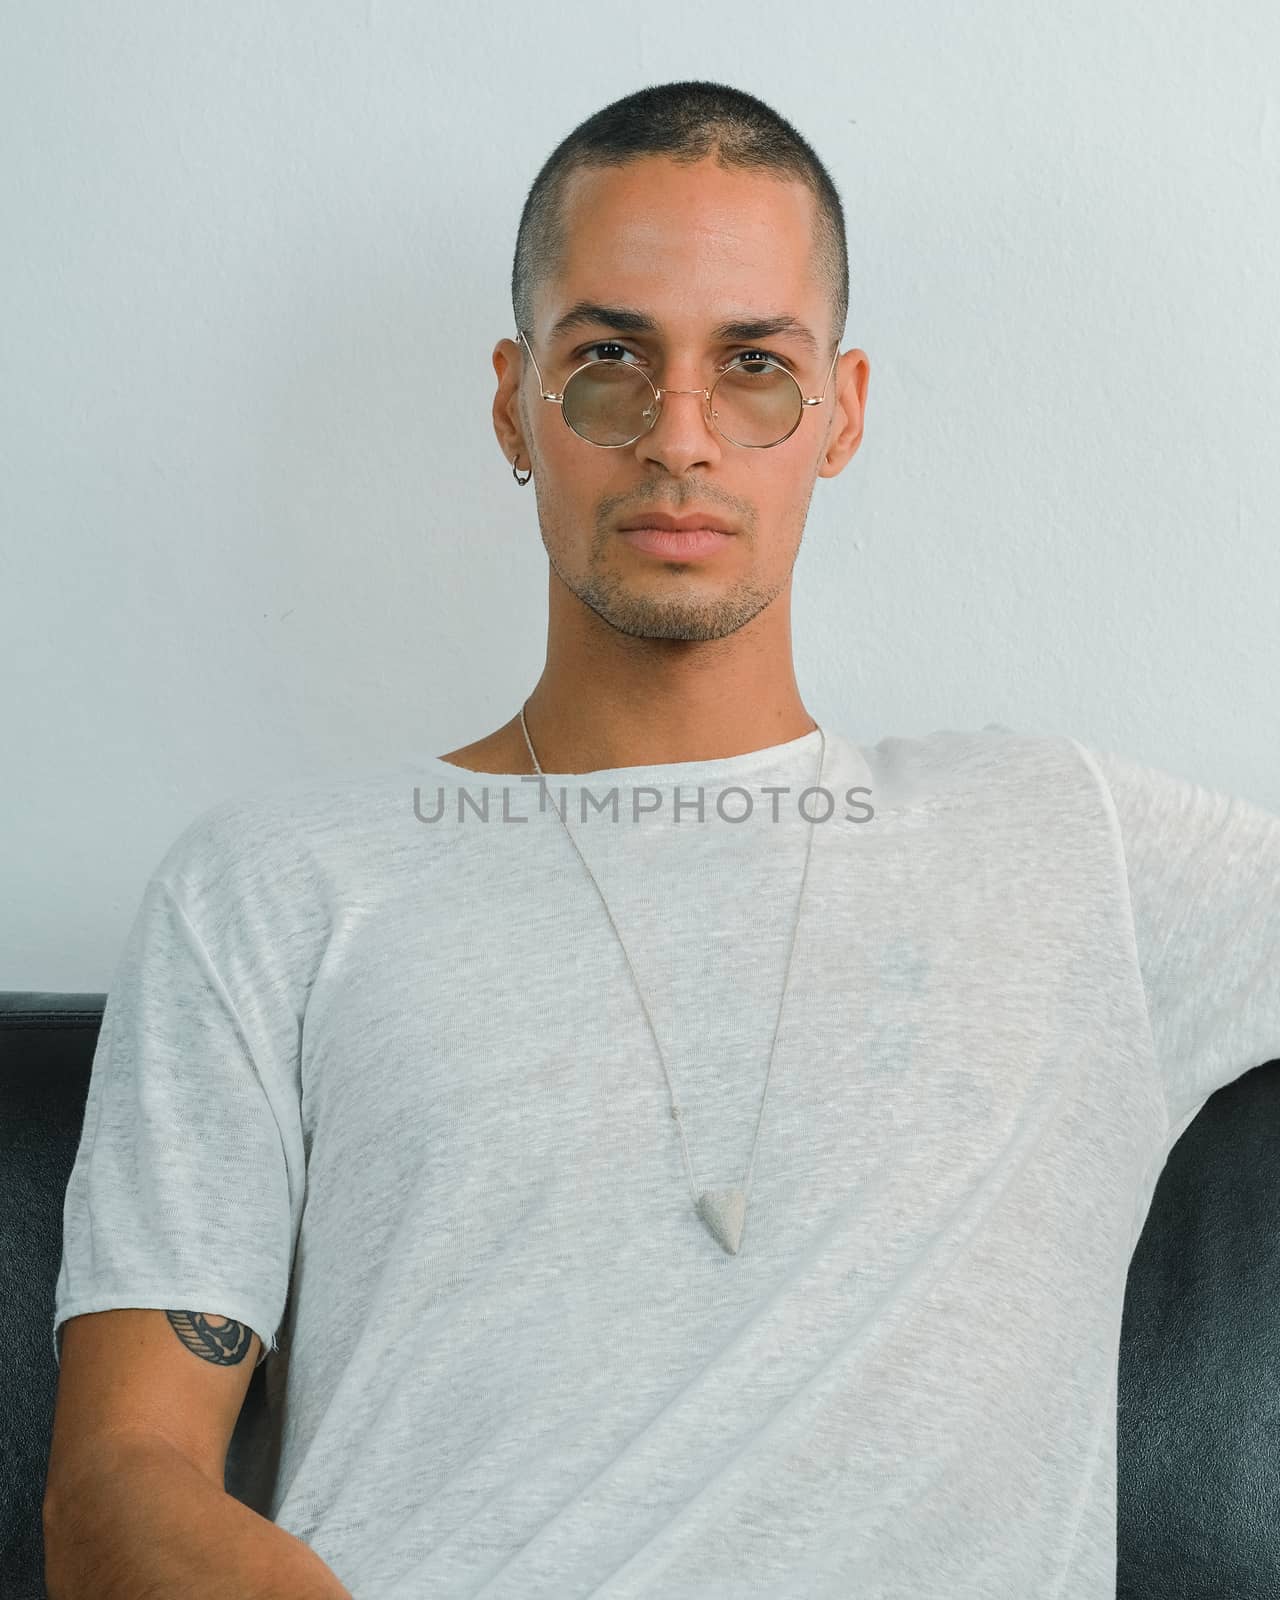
(723, 1211)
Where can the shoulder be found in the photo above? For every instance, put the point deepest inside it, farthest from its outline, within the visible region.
(996, 764)
(284, 839)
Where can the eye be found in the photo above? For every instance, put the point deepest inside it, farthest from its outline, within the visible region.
(589, 350)
(755, 357)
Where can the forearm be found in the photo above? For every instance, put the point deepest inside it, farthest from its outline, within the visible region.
(146, 1524)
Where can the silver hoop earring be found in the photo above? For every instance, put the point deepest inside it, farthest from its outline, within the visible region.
(521, 481)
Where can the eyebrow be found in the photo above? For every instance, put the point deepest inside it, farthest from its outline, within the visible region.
(625, 319)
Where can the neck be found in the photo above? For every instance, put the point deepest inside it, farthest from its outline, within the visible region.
(621, 701)
(569, 738)
(608, 699)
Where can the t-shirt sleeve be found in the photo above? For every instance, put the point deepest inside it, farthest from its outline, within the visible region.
(187, 1186)
(1204, 883)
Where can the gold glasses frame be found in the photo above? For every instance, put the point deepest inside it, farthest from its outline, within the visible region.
(659, 394)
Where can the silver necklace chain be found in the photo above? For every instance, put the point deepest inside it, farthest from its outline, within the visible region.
(676, 1110)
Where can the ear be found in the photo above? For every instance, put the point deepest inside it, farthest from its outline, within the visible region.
(853, 370)
(508, 363)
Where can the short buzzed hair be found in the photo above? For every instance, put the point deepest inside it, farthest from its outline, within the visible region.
(687, 123)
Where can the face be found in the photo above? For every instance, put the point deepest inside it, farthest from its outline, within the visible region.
(691, 247)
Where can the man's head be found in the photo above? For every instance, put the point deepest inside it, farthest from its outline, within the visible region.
(695, 205)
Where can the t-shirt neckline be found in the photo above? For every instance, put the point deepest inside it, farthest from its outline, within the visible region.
(662, 772)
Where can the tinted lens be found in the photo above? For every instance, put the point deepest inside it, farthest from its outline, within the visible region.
(608, 402)
(753, 403)
(756, 402)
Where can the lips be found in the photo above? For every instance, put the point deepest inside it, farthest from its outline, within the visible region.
(676, 544)
(660, 519)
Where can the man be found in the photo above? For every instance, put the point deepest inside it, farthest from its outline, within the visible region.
(632, 1210)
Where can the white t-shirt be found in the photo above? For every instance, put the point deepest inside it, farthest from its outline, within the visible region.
(375, 1081)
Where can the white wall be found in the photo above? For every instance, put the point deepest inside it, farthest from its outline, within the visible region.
(254, 523)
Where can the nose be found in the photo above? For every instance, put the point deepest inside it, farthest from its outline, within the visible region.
(681, 440)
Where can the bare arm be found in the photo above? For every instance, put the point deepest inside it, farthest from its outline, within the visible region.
(147, 1524)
